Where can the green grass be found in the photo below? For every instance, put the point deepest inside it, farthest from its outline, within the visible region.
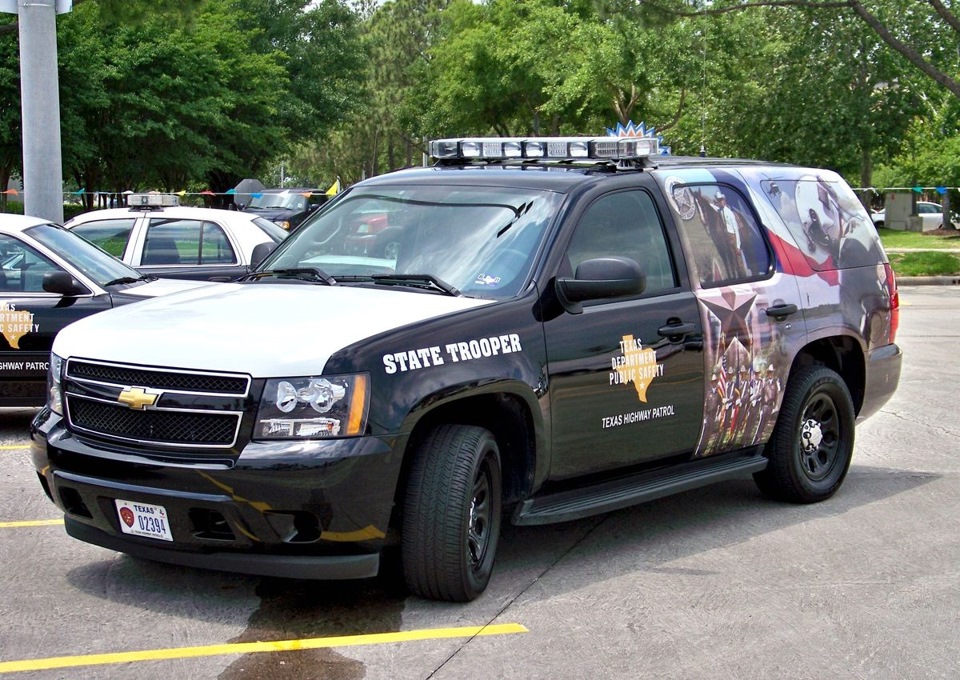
(894, 238)
(926, 263)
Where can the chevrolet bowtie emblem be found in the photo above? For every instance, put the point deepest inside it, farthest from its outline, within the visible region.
(137, 398)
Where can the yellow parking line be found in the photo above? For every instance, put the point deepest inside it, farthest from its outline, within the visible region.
(13, 447)
(251, 647)
(31, 523)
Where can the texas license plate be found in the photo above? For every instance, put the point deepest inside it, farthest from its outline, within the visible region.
(143, 519)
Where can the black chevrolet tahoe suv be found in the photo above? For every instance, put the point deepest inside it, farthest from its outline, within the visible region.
(534, 329)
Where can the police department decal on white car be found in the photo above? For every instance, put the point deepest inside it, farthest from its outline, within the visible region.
(541, 329)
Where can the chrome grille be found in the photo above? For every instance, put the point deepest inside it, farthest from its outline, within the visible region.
(192, 409)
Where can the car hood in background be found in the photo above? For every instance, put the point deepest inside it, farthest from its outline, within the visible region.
(271, 213)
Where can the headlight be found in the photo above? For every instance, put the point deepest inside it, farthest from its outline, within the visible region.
(313, 408)
(282, 223)
(54, 391)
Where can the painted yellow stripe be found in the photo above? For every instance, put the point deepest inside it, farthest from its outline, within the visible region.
(252, 647)
(31, 523)
(13, 447)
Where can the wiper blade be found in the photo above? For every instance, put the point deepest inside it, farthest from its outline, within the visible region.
(302, 273)
(124, 279)
(422, 281)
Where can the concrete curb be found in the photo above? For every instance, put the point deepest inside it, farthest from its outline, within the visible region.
(929, 280)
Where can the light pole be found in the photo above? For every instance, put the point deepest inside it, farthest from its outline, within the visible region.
(40, 105)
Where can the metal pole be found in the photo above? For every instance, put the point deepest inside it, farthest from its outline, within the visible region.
(40, 97)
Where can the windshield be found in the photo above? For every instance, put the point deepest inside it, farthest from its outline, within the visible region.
(88, 258)
(482, 241)
(290, 201)
(274, 231)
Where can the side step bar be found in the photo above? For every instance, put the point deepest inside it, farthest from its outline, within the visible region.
(564, 506)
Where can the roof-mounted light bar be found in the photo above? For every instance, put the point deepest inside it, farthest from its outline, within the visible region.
(545, 148)
(153, 200)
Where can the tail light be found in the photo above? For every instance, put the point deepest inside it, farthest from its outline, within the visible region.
(894, 301)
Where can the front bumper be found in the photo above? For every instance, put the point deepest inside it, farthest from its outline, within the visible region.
(313, 510)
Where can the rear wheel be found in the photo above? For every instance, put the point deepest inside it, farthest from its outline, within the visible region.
(451, 514)
(812, 444)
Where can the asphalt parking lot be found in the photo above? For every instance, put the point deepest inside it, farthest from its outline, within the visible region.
(714, 583)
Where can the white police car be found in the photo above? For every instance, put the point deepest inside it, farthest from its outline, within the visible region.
(158, 236)
(558, 326)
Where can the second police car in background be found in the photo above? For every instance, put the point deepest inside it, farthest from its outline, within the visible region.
(158, 236)
(50, 277)
(558, 326)
(286, 208)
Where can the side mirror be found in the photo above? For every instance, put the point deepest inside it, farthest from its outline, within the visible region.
(600, 278)
(259, 254)
(62, 283)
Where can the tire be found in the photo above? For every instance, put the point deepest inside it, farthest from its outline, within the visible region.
(451, 514)
(812, 443)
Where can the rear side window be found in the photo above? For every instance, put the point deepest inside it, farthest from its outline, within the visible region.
(110, 235)
(722, 234)
(181, 241)
(826, 219)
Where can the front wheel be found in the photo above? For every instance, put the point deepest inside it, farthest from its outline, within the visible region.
(451, 514)
(812, 443)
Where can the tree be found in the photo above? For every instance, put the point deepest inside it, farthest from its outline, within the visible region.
(905, 32)
(162, 106)
(10, 143)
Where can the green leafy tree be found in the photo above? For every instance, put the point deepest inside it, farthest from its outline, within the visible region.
(163, 106)
(11, 160)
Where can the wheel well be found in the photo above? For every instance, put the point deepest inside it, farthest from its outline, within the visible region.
(841, 354)
(511, 423)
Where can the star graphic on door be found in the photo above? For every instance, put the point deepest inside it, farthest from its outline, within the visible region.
(733, 319)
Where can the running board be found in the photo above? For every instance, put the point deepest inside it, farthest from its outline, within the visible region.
(620, 493)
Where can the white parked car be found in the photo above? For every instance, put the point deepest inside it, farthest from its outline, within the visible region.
(178, 242)
(931, 215)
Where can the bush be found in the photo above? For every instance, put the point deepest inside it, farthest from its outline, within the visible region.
(69, 209)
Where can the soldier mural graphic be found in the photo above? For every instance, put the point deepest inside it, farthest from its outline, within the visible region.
(744, 383)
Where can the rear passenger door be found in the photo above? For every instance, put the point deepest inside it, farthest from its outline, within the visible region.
(625, 375)
(751, 312)
(188, 249)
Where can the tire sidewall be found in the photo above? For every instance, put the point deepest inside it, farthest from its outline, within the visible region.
(437, 513)
(786, 478)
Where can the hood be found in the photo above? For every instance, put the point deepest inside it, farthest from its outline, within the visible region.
(271, 213)
(265, 330)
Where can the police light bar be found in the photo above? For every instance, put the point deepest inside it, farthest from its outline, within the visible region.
(153, 200)
(545, 148)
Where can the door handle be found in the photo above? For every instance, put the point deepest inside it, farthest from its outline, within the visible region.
(673, 330)
(781, 311)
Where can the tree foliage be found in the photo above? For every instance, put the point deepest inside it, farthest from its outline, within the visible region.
(203, 93)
